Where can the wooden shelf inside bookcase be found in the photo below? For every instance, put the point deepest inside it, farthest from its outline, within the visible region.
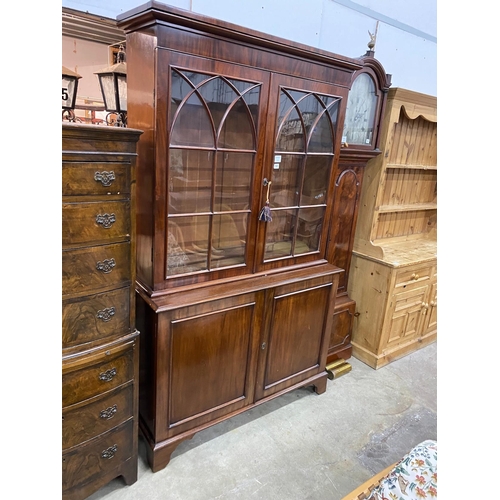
(407, 208)
(412, 167)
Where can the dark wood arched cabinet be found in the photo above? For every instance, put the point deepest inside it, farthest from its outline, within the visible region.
(244, 196)
(360, 143)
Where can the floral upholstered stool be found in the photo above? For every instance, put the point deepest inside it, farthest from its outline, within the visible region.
(414, 477)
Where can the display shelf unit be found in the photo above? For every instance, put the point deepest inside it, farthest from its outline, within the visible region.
(393, 276)
(100, 351)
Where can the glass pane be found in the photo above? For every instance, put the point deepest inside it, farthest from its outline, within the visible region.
(237, 130)
(195, 79)
(326, 99)
(333, 111)
(177, 258)
(68, 86)
(233, 181)
(286, 180)
(309, 230)
(310, 107)
(321, 137)
(122, 92)
(190, 181)
(292, 137)
(187, 248)
(218, 96)
(360, 114)
(179, 89)
(317, 174)
(240, 85)
(252, 97)
(296, 95)
(193, 126)
(279, 234)
(228, 240)
(108, 90)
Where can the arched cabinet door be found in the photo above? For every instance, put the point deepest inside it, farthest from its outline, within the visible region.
(298, 174)
(347, 192)
(212, 150)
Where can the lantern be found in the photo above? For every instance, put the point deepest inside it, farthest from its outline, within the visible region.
(113, 81)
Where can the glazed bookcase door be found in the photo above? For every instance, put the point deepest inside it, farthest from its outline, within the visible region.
(213, 147)
(298, 173)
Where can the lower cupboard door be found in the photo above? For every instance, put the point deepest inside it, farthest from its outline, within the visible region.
(212, 357)
(296, 343)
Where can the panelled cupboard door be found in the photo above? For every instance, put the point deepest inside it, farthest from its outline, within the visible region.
(296, 334)
(407, 314)
(250, 156)
(209, 352)
(430, 323)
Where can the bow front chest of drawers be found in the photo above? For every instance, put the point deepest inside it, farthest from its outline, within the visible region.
(99, 338)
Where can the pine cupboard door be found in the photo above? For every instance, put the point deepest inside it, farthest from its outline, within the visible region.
(294, 343)
(430, 322)
(207, 356)
(297, 182)
(406, 315)
(211, 129)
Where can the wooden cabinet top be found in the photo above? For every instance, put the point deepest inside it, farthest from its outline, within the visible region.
(76, 135)
(153, 12)
(415, 104)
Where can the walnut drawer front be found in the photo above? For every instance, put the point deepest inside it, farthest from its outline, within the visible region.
(96, 221)
(96, 317)
(95, 178)
(105, 373)
(88, 420)
(97, 457)
(87, 269)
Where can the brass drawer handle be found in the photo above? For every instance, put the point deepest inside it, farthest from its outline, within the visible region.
(414, 276)
(107, 375)
(105, 314)
(105, 220)
(106, 266)
(109, 453)
(105, 178)
(108, 412)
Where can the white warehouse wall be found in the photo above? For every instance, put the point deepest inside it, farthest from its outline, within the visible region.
(406, 30)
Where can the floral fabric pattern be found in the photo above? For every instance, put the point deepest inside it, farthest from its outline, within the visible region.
(414, 477)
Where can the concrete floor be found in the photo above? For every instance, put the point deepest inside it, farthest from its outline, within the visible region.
(302, 446)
